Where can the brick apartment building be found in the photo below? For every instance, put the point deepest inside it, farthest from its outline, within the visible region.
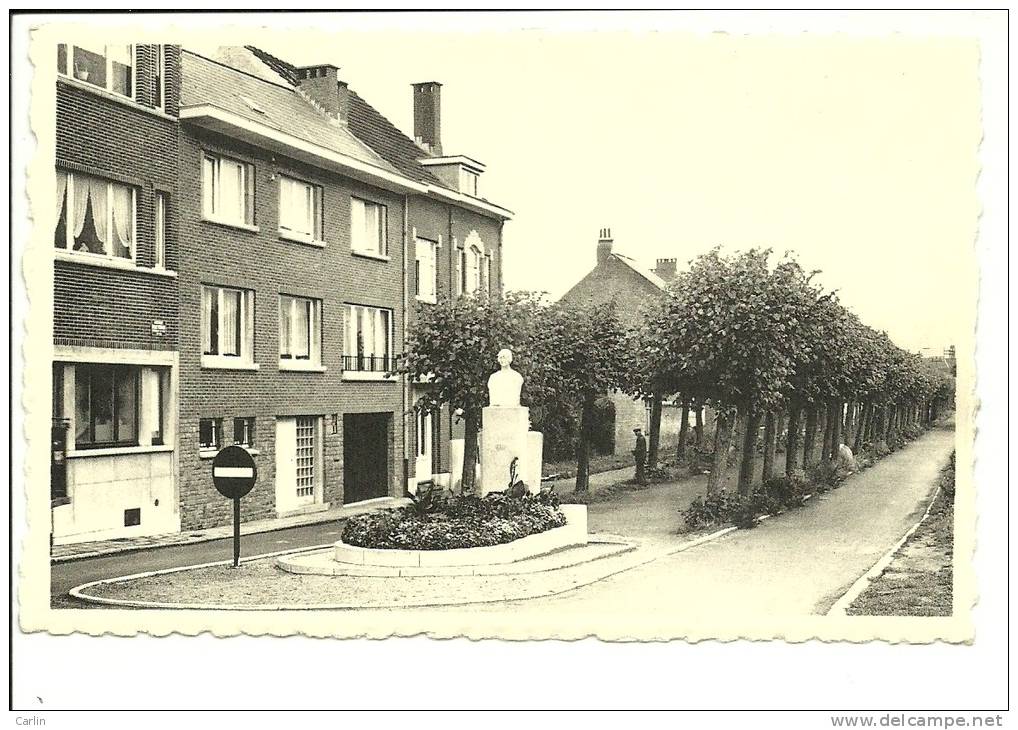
(312, 227)
(115, 287)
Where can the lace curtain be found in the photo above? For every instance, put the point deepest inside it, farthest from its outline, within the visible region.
(122, 221)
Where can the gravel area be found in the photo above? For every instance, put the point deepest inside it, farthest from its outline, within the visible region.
(920, 578)
(260, 583)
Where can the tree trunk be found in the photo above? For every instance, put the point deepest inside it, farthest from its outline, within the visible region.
(850, 423)
(583, 445)
(654, 442)
(825, 448)
(770, 436)
(860, 429)
(722, 441)
(809, 441)
(680, 452)
(698, 429)
(792, 444)
(469, 475)
(836, 430)
(751, 427)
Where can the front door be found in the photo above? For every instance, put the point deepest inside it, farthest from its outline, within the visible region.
(422, 465)
(366, 447)
(298, 462)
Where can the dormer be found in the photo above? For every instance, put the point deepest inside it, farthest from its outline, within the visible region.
(458, 172)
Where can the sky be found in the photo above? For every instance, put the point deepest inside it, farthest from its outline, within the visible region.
(858, 154)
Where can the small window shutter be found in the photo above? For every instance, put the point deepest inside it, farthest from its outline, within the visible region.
(249, 194)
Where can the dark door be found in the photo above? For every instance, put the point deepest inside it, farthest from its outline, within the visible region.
(365, 456)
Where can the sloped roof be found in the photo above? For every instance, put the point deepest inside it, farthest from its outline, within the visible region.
(639, 269)
(368, 124)
(260, 99)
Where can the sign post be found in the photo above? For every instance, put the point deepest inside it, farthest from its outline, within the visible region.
(234, 474)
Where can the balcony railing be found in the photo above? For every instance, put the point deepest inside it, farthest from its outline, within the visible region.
(370, 363)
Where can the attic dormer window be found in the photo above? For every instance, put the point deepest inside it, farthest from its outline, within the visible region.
(468, 181)
(254, 105)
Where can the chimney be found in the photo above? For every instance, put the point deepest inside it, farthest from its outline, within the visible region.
(666, 268)
(428, 116)
(604, 245)
(321, 85)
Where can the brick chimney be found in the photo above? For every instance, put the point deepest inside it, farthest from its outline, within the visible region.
(428, 116)
(604, 245)
(321, 85)
(666, 268)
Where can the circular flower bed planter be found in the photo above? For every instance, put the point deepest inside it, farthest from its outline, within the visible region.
(457, 531)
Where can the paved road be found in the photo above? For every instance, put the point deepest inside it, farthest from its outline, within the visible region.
(798, 563)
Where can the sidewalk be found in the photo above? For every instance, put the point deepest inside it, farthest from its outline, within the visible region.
(82, 550)
(93, 549)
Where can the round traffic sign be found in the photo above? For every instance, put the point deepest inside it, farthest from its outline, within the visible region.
(234, 472)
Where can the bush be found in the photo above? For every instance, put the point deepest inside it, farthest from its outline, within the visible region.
(456, 522)
(712, 510)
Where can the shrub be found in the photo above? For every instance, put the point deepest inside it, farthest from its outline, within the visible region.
(456, 522)
(713, 510)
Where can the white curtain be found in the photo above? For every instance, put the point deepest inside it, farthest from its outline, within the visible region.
(231, 187)
(285, 303)
(61, 190)
(81, 187)
(229, 333)
(123, 242)
(208, 180)
(302, 328)
(206, 318)
(358, 229)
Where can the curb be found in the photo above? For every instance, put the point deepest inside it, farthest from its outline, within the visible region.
(77, 592)
(840, 607)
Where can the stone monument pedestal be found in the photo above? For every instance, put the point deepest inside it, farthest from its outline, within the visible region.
(506, 435)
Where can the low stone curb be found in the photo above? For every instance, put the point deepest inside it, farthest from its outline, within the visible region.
(840, 607)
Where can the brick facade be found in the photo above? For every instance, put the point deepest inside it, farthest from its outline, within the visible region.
(262, 261)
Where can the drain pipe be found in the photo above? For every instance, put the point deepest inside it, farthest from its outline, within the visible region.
(405, 387)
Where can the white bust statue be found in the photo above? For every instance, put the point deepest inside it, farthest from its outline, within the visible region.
(504, 385)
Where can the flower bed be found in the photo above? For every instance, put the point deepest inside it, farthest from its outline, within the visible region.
(435, 523)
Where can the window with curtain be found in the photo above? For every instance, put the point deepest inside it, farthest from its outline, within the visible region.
(368, 228)
(106, 405)
(210, 433)
(106, 67)
(300, 209)
(426, 269)
(95, 216)
(227, 190)
(300, 326)
(226, 319)
(368, 345)
(244, 431)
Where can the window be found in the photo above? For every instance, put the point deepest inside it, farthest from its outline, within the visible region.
(368, 227)
(307, 428)
(228, 190)
(486, 274)
(107, 67)
(473, 277)
(154, 395)
(106, 405)
(210, 433)
(160, 252)
(300, 328)
(226, 322)
(95, 216)
(159, 77)
(461, 271)
(468, 182)
(368, 339)
(300, 210)
(426, 269)
(244, 431)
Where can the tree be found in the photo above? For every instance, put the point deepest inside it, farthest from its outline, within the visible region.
(587, 352)
(453, 347)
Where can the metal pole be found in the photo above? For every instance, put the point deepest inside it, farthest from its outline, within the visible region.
(236, 532)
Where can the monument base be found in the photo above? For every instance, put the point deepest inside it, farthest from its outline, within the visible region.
(505, 436)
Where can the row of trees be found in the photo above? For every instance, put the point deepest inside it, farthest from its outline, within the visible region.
(754, 342)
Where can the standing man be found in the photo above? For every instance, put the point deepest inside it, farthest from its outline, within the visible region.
(640, 453)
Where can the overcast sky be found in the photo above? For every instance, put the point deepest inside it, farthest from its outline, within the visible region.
(858, 154)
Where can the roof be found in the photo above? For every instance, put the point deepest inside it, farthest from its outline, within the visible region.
(366, 123)
(262, 99)
(645, 273)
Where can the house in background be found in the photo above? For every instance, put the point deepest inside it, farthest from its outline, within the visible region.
(115, 293)
(621, 280)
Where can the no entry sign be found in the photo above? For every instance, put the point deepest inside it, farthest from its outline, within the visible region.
(234, 472)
